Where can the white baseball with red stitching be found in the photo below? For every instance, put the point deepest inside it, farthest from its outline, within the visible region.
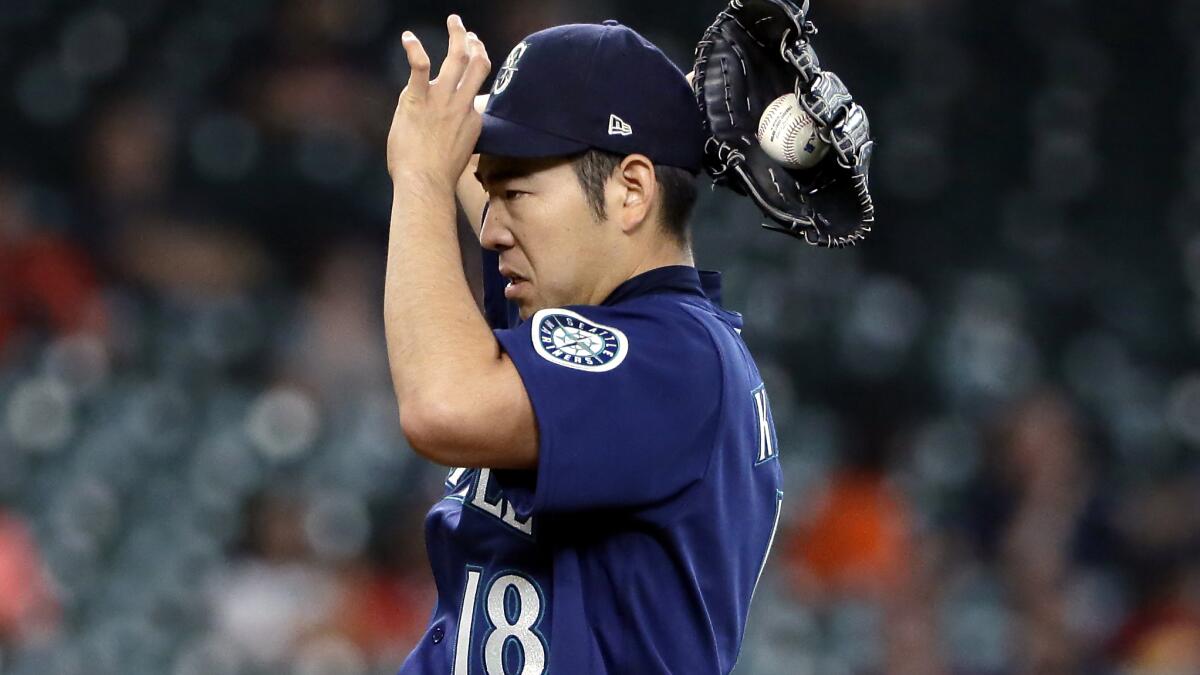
(789, 136)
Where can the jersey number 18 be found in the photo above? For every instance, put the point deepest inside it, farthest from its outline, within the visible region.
(513, 605)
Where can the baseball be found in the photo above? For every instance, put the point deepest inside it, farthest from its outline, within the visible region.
(789, 136)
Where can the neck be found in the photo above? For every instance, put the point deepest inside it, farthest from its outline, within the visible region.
(666, 253)
(670, 253)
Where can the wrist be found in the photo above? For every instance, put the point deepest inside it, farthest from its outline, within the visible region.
(423, 181)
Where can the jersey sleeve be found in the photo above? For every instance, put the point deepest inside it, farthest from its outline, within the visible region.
(625, 402)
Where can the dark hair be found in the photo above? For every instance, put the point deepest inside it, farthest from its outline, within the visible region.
(594, 167)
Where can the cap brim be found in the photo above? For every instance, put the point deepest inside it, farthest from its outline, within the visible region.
(509, 139)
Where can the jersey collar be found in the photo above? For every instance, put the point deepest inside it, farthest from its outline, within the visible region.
(671, 279)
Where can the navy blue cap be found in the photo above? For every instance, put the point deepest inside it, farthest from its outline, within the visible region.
(569, 88)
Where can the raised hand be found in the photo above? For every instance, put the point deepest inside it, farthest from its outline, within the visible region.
(436, 124)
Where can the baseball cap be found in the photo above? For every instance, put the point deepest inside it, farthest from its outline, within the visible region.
(570, 88)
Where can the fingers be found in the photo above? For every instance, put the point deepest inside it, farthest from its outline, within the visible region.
(457, 56)
(462, 73)
(477, 71)
(418, 61)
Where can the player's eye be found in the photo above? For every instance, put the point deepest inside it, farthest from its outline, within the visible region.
(510, 195)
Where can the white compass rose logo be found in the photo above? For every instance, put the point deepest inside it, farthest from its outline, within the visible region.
(577, 342)
(509, 69)
(566, 338)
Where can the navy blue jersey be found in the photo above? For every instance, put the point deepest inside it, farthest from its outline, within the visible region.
(636, 545)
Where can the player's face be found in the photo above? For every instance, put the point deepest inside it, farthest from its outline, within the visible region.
(551, 246)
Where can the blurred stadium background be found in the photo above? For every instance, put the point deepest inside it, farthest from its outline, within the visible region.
(989, 414)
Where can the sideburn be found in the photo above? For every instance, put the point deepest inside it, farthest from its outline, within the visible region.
(593, 169)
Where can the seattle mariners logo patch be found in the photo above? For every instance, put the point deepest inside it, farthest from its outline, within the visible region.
(567, 339)
(505, 75)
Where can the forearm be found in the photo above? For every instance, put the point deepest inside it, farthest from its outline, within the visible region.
(462, 402)
(435, 334)
(471, 195)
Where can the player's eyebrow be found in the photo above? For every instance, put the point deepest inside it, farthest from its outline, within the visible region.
(501, 174)
(512, 168)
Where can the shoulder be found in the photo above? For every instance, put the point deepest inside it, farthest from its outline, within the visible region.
(640, 351)
(645, 331)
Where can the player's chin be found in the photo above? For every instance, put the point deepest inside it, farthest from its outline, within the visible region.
(528, 307)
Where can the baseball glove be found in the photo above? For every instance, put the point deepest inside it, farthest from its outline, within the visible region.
(755, 52)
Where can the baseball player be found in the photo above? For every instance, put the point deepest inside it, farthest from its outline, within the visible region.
(618, 484)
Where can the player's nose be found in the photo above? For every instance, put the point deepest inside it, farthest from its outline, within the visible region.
(494, 234)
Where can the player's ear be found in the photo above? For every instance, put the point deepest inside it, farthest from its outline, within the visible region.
(636, 187)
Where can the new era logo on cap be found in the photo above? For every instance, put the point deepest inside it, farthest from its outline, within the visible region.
(618, 127)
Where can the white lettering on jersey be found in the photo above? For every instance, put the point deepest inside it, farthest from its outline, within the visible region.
(766, 428)
(455, 476)
(501, 508)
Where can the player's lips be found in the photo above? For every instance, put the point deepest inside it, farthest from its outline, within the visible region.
(516, 282)
(513, 289)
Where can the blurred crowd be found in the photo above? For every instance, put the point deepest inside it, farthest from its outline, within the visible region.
(989, 415)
